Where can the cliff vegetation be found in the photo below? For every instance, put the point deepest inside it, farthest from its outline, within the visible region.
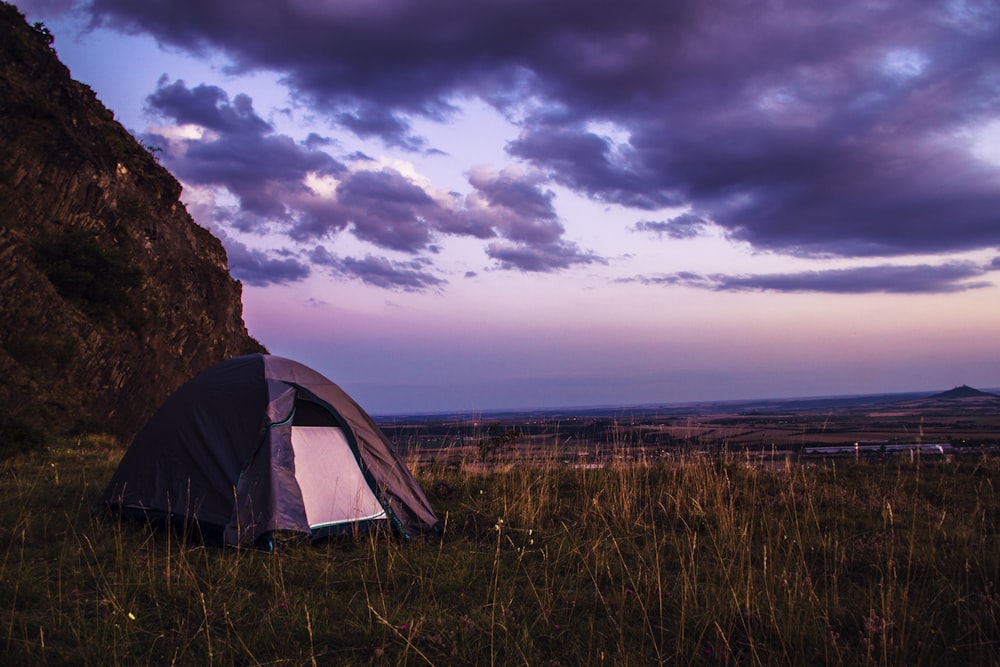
(111, 296)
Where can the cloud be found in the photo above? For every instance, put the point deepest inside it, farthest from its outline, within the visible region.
(514, 205)
(374, 121)
(684, 226)
(46, 7)
(513, 190)
(520, 210)
(257, 267)
(208, 107)
(387, 209)
(913, 279)
(592, 165)
(540, 258)
(297, 189)
(233, 147)
(799, 128)
(384, 207)
(408, 276)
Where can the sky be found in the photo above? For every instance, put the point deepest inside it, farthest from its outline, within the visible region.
(451, 205)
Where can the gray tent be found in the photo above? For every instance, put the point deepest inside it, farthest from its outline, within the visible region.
(261, 444)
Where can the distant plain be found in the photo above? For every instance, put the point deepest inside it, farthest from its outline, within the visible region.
(968, 421)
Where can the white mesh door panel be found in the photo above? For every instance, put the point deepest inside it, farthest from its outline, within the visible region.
(333, 489)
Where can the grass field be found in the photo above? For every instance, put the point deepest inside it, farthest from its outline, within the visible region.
(700, 561)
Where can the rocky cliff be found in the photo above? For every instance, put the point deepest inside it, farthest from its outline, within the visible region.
(110, 295)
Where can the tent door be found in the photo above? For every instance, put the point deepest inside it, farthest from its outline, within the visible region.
(334, 491)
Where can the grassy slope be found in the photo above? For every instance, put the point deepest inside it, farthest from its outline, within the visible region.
(703, 562)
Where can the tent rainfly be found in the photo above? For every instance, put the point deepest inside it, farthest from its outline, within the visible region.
(261, 444)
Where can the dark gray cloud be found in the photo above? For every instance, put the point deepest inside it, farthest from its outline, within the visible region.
(408, 276)
(893, 279)
(803, 128)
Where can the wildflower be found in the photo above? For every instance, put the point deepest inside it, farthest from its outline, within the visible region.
(131, 616)
(404, 627)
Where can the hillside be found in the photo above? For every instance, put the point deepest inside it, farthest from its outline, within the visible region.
(110, 295)
(964, 391)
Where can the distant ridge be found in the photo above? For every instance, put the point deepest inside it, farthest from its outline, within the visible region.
(964, 391)
(916, 401)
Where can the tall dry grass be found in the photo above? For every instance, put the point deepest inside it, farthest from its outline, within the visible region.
(689, 561)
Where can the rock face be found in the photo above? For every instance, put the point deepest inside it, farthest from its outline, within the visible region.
(110, 295)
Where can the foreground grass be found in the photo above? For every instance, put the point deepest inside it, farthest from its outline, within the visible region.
(697, 562)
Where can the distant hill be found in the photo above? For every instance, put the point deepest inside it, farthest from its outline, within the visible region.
(960, 400)
(110, 295)
(963, 392)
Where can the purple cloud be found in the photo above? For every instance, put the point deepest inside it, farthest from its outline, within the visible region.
(798, 128)
(684, 226)
(515, 206)
(374, 121)
(893, 279)
(409, 276)
(257, 267)
(241, 151)
(592, 165)
(540, 258)
(207, 106)
(269, 175)
(46, 7)
(387, 209)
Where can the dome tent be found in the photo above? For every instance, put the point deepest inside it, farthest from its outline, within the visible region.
(261, 444)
